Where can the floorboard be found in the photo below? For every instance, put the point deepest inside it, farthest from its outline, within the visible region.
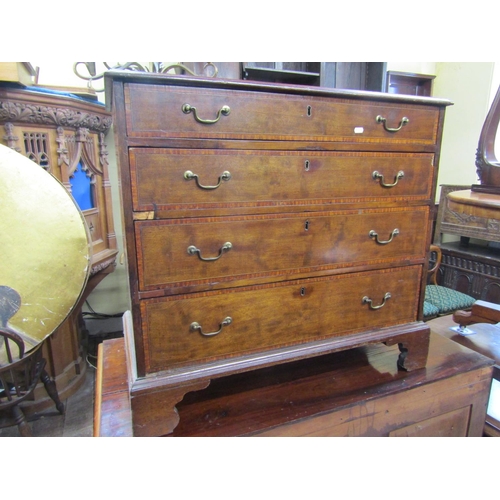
(78, 418)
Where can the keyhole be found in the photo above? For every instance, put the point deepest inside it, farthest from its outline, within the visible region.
(306, 225)
(302, 292)
(309, 110)
(306, 166)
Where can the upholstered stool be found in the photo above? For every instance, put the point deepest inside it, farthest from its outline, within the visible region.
(430, 310)
(446, 300)
(440, 300)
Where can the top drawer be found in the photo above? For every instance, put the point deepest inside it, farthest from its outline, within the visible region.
(171, 111)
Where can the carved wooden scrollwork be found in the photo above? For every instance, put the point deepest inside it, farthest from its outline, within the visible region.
(487, 164)
(64, 117)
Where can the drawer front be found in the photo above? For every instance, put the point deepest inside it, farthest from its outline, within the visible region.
(264, 179)
(176, 329)
(216, 250)
(160, 111)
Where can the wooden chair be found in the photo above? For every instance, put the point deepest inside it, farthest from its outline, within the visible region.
(484, 338)
(440, 300)
(19, 375)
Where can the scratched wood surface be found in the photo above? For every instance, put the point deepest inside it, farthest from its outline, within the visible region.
(350, 393)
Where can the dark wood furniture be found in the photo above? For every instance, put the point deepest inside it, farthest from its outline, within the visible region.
(335, 75)
(471, 264)
(351, 393)
(251, 243)
(112, 410)
(20, 373)
(409, 83)
(487, 164)
(484, 338)
(473, 270)
(473, 213)
(482, 312)
(339, 75)
(65, 134)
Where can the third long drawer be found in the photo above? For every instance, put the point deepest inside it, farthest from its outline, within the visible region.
(212, 251)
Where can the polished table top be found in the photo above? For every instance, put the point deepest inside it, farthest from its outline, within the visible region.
(474, 203)
(485, 339)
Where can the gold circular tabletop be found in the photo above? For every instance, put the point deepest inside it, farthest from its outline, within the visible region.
(44, 250)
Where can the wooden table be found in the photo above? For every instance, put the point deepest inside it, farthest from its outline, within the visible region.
(352, 393)
(62, 134)
(485, 340)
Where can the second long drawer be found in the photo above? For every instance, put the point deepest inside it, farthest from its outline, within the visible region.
(214, 250)
(184, 182)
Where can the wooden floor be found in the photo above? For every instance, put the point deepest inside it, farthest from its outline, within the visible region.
(78, 418)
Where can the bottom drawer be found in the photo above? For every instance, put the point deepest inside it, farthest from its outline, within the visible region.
(191, 329)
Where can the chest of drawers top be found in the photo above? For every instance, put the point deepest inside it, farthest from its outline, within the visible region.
(160, 107)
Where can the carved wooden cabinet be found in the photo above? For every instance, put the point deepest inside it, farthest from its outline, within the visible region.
(472, 213)
(268, 223)
(65, 135)
(472, 264)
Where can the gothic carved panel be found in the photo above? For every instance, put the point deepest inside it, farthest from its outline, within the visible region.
(65, 136)
(37, 149)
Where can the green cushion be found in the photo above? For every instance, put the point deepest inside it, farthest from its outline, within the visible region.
(446, 299)
(430, 310)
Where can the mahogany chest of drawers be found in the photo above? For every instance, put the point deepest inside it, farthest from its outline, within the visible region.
(266, 224)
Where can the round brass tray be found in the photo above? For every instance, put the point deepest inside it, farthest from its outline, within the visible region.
(44, 251)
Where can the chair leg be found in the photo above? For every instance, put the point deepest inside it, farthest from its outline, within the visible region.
(22, 424)
(51, 389)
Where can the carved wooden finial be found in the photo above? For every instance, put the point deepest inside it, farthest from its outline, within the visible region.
(487, 164)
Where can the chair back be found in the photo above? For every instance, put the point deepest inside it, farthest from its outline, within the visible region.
(434, 263)
(19, 372)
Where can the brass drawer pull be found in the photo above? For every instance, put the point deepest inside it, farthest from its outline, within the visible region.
(192, 250)
(187, 108)
(373, 234)
(188, 175)
(367, 300)
(197, 327)
(376, 175)
(402, 123)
